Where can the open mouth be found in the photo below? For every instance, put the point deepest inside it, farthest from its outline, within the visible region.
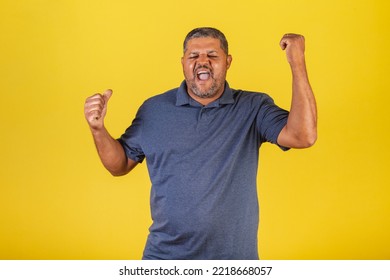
(203, 75)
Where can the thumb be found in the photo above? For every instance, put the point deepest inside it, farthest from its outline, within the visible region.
(107, 95)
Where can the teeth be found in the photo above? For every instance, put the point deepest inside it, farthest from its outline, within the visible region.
(203, 76)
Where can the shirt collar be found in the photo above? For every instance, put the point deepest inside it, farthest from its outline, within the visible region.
(182, 97)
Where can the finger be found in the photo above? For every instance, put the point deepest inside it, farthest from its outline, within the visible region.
(96, 101)
(94, 111)
(107, 95)
(96, 104)
(94, 97)
(283, 43)
(94, 107)
(93, 102)
(94, 115)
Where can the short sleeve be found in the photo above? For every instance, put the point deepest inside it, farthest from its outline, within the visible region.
(132, 138)
(270, 121)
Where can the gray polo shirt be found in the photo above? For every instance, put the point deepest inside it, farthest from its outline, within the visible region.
(202, 162)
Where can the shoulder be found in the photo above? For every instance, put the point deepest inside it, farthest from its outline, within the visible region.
(168, 96)
(252, 98)
(159, 100)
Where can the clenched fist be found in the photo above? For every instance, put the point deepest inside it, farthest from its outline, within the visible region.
(294, 45)
(95, 109)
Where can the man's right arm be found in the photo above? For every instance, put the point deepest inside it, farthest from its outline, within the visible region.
(110, 151)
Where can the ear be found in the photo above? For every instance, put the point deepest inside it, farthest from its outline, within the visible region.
(229, 59)
(182, 61)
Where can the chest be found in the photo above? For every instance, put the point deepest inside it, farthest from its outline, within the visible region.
(189, 129)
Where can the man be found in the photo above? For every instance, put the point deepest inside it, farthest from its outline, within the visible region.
(201, 142)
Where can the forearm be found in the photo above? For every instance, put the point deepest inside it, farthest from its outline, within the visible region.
(302, 120)
(111, 152)
(301, 128)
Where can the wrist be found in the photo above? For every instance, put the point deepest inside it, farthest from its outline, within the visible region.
(98, 130)
(298, 66)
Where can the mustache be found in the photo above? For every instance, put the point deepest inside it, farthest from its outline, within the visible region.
(203, 67)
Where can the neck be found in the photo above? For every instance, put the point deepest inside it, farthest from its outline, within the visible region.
(204, 101)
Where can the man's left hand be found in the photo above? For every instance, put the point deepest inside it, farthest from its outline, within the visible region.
(294, 45)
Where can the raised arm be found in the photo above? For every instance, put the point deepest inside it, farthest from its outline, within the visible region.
(301, 128)
(110, 151)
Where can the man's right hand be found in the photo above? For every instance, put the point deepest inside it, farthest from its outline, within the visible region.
(95, 109)
(110, 151)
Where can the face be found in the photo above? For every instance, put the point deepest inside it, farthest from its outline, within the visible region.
(205, 65)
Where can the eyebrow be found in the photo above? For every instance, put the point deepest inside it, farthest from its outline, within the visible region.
(208, 52)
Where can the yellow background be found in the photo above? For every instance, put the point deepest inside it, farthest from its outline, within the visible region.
(56, 200)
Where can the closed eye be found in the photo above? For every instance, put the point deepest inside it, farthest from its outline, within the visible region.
(212, 54)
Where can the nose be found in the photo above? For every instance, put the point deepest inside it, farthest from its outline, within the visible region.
(203, 59)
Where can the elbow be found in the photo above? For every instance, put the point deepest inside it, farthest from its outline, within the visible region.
(117, 174)
(297, 139)
(122, 169)
(308, 141)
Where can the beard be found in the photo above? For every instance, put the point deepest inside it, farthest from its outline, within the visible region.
(211, 91)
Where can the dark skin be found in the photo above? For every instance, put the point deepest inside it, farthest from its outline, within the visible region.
(205, 66)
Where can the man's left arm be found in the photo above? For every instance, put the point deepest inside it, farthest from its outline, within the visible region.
(301, 128)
